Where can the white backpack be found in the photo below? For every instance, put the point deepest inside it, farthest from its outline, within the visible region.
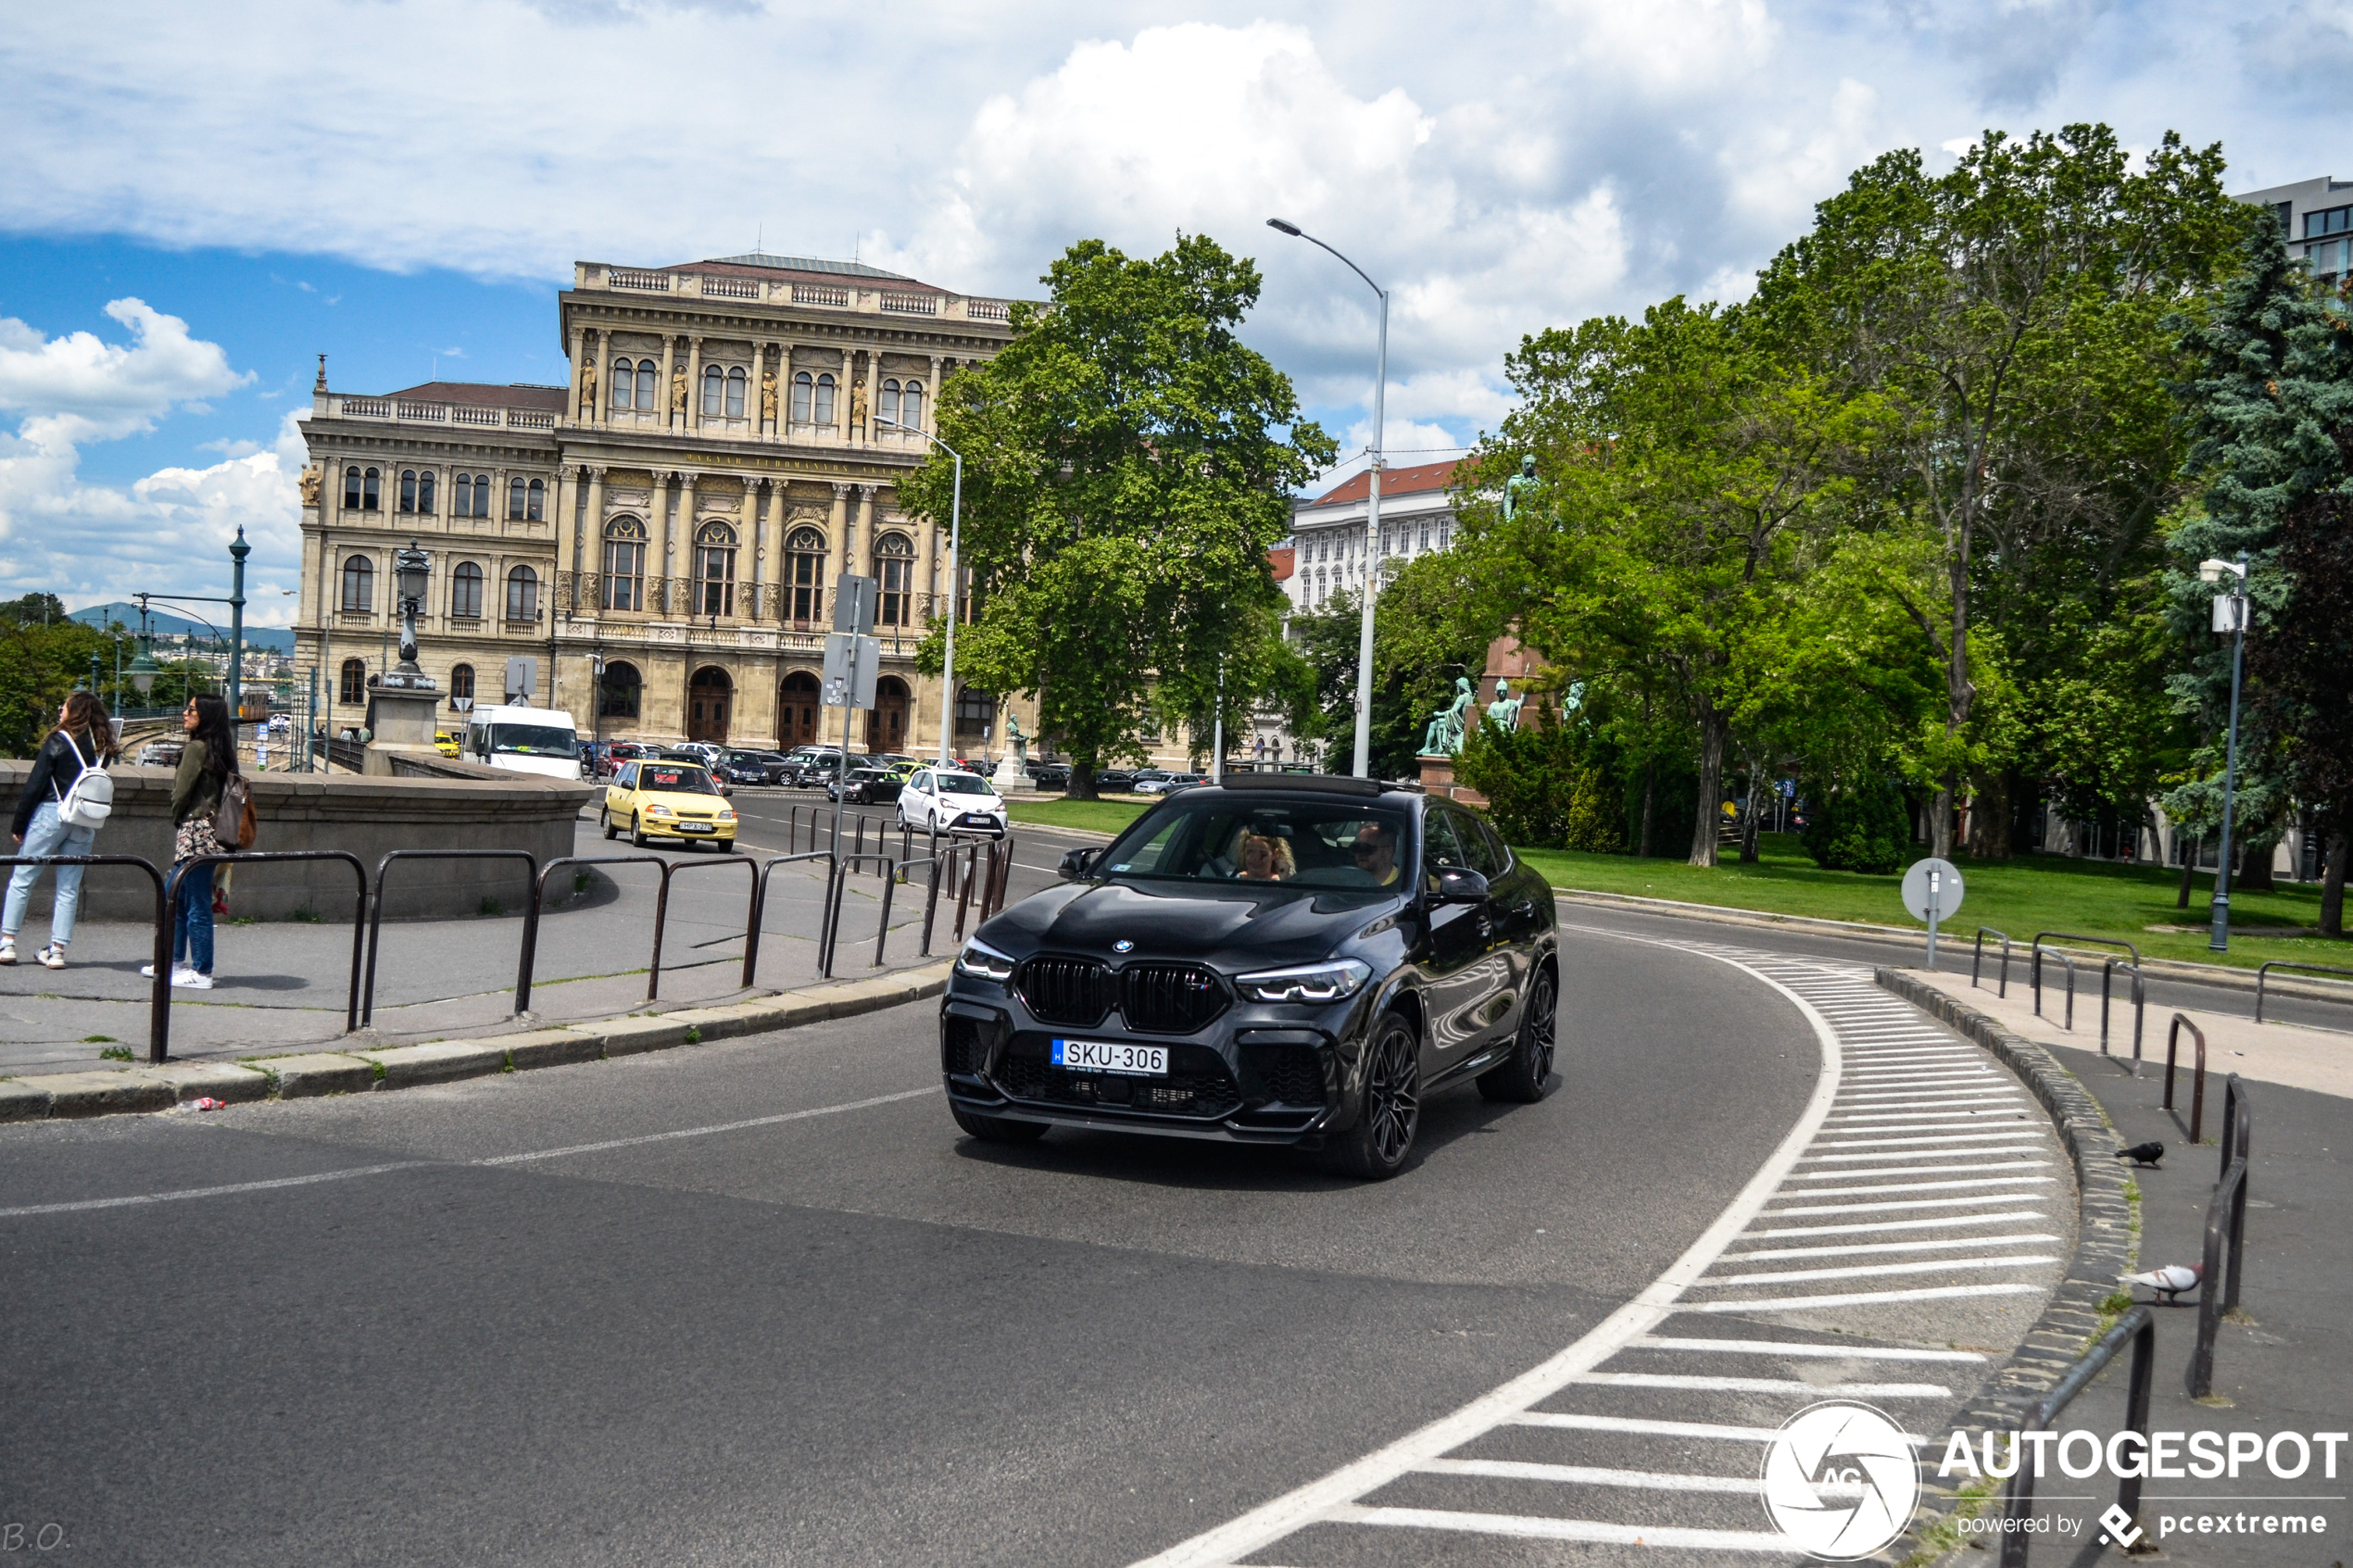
(91, 800)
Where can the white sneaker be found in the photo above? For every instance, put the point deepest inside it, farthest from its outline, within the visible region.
(191, 980)
(51, 957)
(147, 972)
(7, 950)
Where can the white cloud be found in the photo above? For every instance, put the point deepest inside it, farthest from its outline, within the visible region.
(87, 542)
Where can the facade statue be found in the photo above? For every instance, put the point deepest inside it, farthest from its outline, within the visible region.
(589, 390)
(768, 396)
(1504, 712)
(678, 392)
(1445, 735)
(857, 405)
(1520, 488)
(310, 483)
(1014, 733)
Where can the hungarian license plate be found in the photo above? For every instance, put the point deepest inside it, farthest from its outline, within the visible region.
(697, 827)
(1105, 1055)
(979, 819)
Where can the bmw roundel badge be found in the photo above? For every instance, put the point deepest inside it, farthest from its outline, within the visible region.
(1123, 945)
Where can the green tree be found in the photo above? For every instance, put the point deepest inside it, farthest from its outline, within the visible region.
(2300, 676)
(43, 656)
(1129, 462)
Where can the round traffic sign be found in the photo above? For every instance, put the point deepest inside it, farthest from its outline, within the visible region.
(1948, 888)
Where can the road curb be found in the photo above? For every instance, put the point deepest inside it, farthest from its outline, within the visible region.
(2217, 975)
(307, 1075)
(2106, 1245)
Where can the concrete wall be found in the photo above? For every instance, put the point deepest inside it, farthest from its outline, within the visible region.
(462, 807)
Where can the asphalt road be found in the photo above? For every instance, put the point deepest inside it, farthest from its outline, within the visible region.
(777, 1310)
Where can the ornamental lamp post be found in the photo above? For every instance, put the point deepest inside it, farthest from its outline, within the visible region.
(411, 571)
(1372, 517)
(2230, 615)
(238, 551)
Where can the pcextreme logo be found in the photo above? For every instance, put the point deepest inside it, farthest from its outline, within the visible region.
(1840, 1480)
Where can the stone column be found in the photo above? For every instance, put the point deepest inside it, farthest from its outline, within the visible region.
(669, 365)
(579, 361)
(600, 412)
(694, 383)
(592, 522)
(566, 523)
(931, 398)
(840, 519)
(752, 393)
(679, 549)
(746, 553)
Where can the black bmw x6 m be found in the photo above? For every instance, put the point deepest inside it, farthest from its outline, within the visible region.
(1279, 959)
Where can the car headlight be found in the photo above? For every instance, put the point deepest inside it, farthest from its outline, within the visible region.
(1311, 982)
(726, 816)
(660, 811)
(985, 962)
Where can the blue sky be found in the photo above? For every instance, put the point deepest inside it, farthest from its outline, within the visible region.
(200, 200)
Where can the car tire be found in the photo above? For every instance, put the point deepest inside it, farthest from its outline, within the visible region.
(637, 833)
(733, 848)
(1525, 1076)
(1382, 1140)
(997, 1129)
(612, 831)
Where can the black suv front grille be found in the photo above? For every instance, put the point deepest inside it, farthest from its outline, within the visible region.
(1287, 1074)
(1065, 990)
(1197, 1083)
(1169, 998)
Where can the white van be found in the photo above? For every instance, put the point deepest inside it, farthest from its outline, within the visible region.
(528, 740)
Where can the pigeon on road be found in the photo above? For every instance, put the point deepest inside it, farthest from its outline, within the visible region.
(2142, 1153)
(2169, 1281)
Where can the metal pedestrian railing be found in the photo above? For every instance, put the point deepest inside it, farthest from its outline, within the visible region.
(2108, 973)
(159, 1002)
(1978, 957)
(2226, 1236)
(376, 914)
(360, 926)
(2137, 1327)
(2197, 1073)
(661, 907)
(2263, 975)
(528, 964)
(759, 907)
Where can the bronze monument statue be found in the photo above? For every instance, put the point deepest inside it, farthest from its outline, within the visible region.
(1445, 735)
(1504, 712)
(1520, 488)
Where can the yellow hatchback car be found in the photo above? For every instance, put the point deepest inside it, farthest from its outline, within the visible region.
(653, 798)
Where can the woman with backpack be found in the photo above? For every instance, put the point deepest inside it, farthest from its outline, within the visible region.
(207, 765)
(60, 814)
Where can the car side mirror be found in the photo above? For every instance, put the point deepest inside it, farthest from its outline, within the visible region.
(1078, 863)
(1459, 884)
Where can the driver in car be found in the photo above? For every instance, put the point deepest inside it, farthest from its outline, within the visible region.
(1375, 852)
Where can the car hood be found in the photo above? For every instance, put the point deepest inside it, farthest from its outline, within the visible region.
(1232, 929)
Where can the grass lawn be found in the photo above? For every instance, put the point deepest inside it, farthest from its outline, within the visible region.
(1101, 816)
(2039, 893)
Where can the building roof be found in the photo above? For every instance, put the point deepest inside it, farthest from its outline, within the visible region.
(483, 394)
(1421, 477)
(758, 264)
(1285, 560)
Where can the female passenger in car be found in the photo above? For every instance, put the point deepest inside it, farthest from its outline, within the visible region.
(1265, 858)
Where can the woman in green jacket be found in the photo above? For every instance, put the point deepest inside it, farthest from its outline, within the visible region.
(204, 765)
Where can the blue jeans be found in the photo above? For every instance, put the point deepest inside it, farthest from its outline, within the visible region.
(192, 919)
(48, 835)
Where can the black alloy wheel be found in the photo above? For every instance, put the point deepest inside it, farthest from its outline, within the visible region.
(1376, 1148)
(997, 1129)
(1526, 1074)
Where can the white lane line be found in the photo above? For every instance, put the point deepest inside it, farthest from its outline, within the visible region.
(1877, 1077)
(1911, 1187)
(1941, 1153)
(1881, 1271)
(1862, 1248)
(707, 1132)
(1920, 1170)
(1883, 1121)
(1864, 1298)
(229, 1190)
(1565, 1529)
(1939, 1221)
(1876, 1099)
(1332, 1496)
(1697, 1384)
(1803, 1348)
(1640, 1426)
(1909, 1142)
(1588, 1475)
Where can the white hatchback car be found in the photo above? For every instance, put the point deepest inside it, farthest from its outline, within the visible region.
(951, 800)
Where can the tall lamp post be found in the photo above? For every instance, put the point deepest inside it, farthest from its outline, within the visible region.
(955, 545)
(2230, 615)
(238, 551)
(1372, 517)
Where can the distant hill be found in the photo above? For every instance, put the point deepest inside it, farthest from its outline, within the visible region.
(276, 639)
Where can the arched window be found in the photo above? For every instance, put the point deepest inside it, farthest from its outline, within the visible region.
(536, 507)
(368, 493)
(910, 404)
(890, 401)
(461, 683)
(646, 385)
(715, 391)
(424, 491)
(465, 592)
(351, 489)
(352, 687)
(359, 585)
(620, 693)
(408, 490)
(735, 393)
(802, 385)
(715, 569)
(895, 564)
(975, 710)
(461, 500)
(515, 494)
(523, 595)
(624, 391)
(805, 568)
(824, 414)
(624, 564)
(481, 494)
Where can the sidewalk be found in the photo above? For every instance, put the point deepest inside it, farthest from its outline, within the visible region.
(2285, 1361)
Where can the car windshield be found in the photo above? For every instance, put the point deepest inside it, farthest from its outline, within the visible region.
(675, 778)
(953, 783)
(534, 740)
(1214, 837)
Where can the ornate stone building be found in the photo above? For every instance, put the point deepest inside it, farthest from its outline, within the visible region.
(674, 516)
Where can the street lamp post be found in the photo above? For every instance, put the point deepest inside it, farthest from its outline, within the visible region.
(955, 545)
(1372, 517)
(238, 551)
(2230, 614)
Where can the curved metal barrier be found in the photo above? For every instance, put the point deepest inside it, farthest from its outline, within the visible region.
(2140, 991)
(759, 905)
(1978, 957)
(2225, 1220)
(2197, 1075)
(376, 914)
(524, 969)
(2137, 1328)
(661, 907)
(159, 1003)
(360, 926)
(2263, 975)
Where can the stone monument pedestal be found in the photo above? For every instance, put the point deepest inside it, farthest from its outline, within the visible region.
(1438, 778)
(400, 721)
(1012, 778)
